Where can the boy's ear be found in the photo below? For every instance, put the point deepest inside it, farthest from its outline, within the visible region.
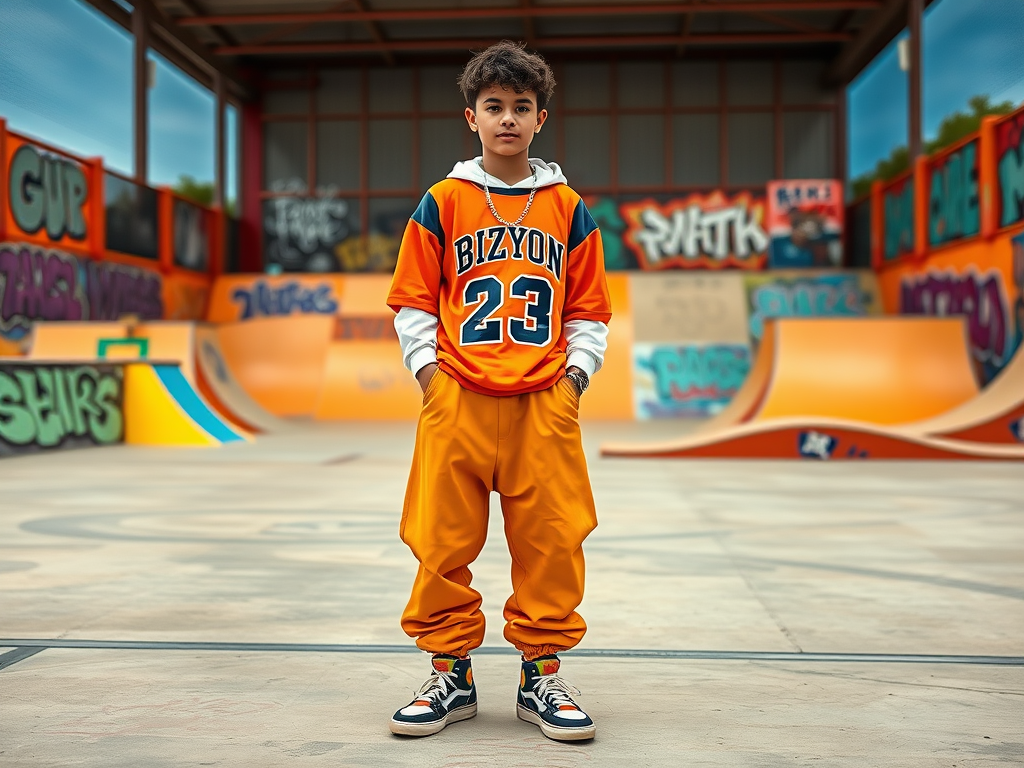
(542, 117)
(471, 119)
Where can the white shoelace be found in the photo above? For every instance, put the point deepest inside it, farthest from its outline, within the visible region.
(437, 686)
(556, 692)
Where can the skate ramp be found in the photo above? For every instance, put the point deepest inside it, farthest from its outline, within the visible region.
(880, 370)
(996, 415)
(219, 386)
(162, 408)
(279, 361)
(836, 388)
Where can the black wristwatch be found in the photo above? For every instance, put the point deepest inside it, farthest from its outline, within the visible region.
(579, 379)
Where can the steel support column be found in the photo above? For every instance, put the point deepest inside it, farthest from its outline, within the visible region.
(140, 84)
(915, 10)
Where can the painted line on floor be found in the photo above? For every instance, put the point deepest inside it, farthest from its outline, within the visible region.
(19, 654)
(605, 653)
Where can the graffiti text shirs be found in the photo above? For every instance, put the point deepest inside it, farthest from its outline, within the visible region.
(501, 294)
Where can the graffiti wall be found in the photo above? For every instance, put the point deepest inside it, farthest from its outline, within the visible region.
(711, 231)
(695, 333)
(898, 218)
(45, 407)
(836, 294)
(321, 233)
(41, 284)
(805, 223)
(981, 280)
(1010, 170)
(954, 211)
(687, 381)
(48, 196)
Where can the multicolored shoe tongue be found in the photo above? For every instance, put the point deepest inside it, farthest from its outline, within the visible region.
(546, 666)
(444, 663)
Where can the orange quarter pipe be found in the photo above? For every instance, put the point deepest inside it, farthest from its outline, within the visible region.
(840, 388)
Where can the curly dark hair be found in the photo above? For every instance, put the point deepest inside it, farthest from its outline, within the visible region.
(508, 65)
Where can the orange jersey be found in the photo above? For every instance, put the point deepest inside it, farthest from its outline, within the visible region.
(501, 294)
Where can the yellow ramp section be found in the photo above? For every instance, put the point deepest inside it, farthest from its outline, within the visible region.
(881, 370)
(151, 417)
(162, 408)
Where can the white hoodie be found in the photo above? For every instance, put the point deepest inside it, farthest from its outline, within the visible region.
(586, 340)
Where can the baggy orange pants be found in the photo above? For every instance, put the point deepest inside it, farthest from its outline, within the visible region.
(528, 449)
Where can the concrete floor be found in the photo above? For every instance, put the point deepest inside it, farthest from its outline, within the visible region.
(754, 593)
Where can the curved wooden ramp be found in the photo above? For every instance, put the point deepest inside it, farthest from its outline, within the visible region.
(994, 416)
(836, 389)
(816, 439)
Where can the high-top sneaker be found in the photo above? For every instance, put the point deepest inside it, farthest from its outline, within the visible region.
(546, 700)
(447, 696)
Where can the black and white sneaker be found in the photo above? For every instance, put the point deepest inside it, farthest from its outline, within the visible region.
(447, 696)
(546, 700)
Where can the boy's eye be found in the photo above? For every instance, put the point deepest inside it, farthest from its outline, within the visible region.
(523, 109)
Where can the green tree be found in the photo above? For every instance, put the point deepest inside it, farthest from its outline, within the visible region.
(200, 192)
(952, 128)
(197, 191)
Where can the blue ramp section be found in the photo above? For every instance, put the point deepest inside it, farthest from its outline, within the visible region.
(186, 397)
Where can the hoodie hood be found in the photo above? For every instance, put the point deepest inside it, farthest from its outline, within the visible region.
(473, 170)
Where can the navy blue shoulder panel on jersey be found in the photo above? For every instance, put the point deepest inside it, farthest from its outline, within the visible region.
(582, 225)
(428, 217)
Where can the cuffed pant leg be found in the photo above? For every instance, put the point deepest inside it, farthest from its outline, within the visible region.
(549, 510)
(444, 520)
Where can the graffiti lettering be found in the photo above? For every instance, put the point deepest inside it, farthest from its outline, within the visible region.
(1010, 162)
(41, 285)
(690, 380)
(47, 191)
(899, 220)
(50, 406)
(980, 298)
(300, 227)
(262, 299)
(685, 233)
(829, 295)
(953, 208)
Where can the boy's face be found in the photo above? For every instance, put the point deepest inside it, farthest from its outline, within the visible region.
(506, 121)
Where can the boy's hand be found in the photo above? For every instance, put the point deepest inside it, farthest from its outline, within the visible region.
(423, 375)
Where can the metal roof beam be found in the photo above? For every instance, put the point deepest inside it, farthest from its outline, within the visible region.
(780, 38)
(534, 11)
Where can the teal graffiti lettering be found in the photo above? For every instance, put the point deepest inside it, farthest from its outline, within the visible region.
(899, 221)
(833, 296)
(954, 211)
(712, 373)
(46, 405)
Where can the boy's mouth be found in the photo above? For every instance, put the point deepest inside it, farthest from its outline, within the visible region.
(508, 135)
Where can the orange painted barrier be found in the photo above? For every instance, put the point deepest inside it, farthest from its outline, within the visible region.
(366, 380)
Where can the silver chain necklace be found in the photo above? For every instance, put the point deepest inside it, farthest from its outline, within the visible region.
(526, 210)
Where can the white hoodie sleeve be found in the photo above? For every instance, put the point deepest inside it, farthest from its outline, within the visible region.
(587, 341)
(417, 333)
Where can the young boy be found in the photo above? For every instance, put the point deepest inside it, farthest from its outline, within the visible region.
(502, 309)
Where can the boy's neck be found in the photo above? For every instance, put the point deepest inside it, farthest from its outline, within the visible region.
(510, 170)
